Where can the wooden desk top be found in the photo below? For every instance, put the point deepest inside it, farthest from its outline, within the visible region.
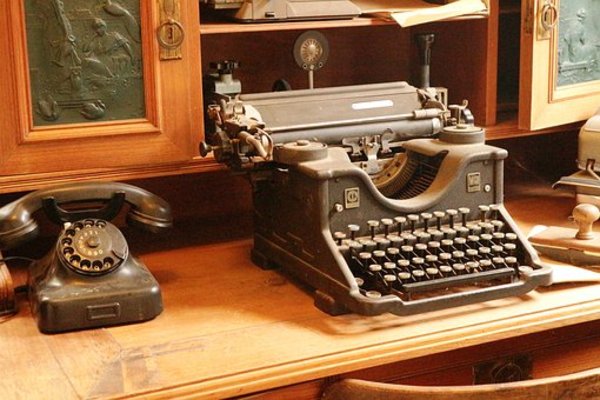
(230, 328)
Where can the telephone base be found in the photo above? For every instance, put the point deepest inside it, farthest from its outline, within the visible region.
(62, 300)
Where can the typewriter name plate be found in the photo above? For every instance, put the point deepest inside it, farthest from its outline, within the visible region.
(352, 197)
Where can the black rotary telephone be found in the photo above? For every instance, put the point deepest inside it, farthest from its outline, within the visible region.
(89, 279)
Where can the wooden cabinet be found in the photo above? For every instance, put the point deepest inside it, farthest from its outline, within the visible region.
(560, 73)
(87, 93)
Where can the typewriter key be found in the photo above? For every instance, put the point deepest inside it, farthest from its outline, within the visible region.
(485, 252)
(462, 231)
(498, 262)
(379, 255)
(473, 241)
(525, 269)
(389, 280)
(418, 274)
(392, 253)
(436, 234)
(353, 228)
(400, 221)
(373, 225)
(460, 242)
(432, 272)
(486, 227)
(373, 294)
(434, 247)
(487, 239)
(447, 245)
(495, 211)
(389, 266)
(458, 255)
(413, 219)
(439, 216)
(339, 237)
(446, 270)
(409, 238)
(426, 217)
(472, 266)
(355, 247)
(458, 268)
(510, 248)
(485, 264)
(475, 229)
(483, 210)
(511, 237)
(404, 276)
(451, 215)
(497, 225)
(472, 254)
(359, 281)
(403, 264)
(387, 223)
(423, 237)
(382, 243)
(375, 268)
(464, 214)
(449, 233)
(368, 245)
(431, 259)
(418, 262)
(445, 257)
(407, 251)
(396, 241)
(365, 259)
(497, 250)
(498, 237)
(421, 249)
(512, 262)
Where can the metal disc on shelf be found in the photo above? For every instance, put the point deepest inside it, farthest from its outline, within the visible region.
(311, 50)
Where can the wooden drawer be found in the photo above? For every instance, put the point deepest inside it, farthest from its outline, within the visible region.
(552, 353)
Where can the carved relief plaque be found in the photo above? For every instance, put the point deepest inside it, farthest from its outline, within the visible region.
(85, 60)
(578, 42)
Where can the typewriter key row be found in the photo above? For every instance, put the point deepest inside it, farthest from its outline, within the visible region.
(410, 254)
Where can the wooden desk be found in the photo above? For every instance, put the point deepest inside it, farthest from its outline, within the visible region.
(230, 329)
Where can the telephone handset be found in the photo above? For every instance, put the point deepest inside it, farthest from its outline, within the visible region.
(89, 278)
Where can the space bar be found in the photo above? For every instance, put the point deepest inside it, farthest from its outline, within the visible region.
(457, 280)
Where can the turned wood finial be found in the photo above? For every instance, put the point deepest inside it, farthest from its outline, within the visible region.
(585, 215)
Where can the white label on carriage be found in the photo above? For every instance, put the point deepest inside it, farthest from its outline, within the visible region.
(369, 105)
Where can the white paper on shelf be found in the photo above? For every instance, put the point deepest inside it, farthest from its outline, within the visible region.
(414, 12)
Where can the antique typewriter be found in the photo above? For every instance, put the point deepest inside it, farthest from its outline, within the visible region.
(380, 197)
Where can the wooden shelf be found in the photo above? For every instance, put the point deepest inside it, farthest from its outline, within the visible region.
(211, 27)
(506, 127)
(220, 27)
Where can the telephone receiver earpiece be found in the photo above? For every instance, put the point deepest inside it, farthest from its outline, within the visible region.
(148, 211)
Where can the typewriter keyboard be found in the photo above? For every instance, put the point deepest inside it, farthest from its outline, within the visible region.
(418, 255)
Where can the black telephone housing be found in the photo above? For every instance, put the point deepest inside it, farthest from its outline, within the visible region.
(89, 279)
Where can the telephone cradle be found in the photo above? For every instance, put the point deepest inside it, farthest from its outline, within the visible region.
(89, 278)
